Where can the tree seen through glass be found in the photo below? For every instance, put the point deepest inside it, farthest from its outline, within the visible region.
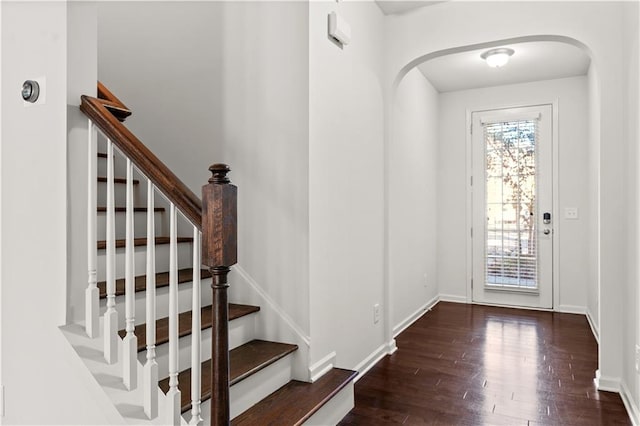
(511, 204)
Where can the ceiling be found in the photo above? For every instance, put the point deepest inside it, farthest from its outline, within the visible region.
(391, 7)
(531, 61)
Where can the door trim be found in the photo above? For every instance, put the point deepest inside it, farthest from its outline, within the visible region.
(555, 303)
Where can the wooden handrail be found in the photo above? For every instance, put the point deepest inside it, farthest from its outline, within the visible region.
(107, 115)
(112, 103)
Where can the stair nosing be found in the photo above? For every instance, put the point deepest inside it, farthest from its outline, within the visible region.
(265, 364)
(103, 209)
(162, 280)
(117, 180)
(187, 332)
(290, 348)
(270, 402)
(138, 242)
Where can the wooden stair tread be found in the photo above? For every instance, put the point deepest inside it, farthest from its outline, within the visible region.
(184, 324)
(244, 361)
(102, 244)
(117, 180)
(103, 209)
(162, 280)
(296, 402)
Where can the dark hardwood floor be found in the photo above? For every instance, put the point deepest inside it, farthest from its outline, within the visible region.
(479, 365)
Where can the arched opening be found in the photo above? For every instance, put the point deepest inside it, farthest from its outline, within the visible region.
(428, 180)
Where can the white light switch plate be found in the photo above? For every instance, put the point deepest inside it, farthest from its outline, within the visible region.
(571, 213)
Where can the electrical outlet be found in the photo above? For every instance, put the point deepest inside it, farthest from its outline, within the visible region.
(571, 213)
(376, 313)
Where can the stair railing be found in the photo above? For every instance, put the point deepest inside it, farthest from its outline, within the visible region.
(213, 222)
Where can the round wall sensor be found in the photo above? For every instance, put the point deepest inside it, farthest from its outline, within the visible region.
(30, 91)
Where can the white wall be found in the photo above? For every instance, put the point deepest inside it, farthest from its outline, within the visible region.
(82, 70)
(631, 48)
(597, 25)
(346, 127)
(36, 366)
(593, 305)
(571, 94)
(413, 169)
(162, 59)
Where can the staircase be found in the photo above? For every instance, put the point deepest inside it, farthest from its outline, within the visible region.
(156, 366)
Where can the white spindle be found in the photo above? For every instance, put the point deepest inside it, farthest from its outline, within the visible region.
(130, 344)
(151, 366)
(111, 316)
(92, 308)
(173, 409)
(196, 419)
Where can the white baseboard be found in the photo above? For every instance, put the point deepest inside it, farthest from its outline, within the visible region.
(391, 346)
(319, 368)
(571, 309)
(594, 328)
(629, 404)
(414, 316)
(452, 298)
(371, 360)
(607, 384)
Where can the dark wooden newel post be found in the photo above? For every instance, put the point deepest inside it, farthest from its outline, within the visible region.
(219, 252)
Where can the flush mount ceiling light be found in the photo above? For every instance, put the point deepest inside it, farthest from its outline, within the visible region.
(497, 57)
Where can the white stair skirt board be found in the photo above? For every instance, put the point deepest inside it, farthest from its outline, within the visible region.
(139, 224)
(109, 378)
(245, 394)
(185, 258)
(241, 331)
(162, 302)
(335, 409)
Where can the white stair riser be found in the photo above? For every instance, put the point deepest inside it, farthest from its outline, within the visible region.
(162, 302)
(185, 259)
(335, 409)
(241, 331)
(119, 164)
(248, 392)
(119, 195)
(139, 224)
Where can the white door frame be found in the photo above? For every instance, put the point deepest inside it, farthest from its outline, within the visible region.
(555, 186)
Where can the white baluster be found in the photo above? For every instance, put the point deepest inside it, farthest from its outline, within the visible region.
(196, 419)
(151, 366)
(173, 396)
(111, 316)
(130, 344)
(92, 295)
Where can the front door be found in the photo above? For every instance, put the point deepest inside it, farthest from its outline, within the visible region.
(512, 182)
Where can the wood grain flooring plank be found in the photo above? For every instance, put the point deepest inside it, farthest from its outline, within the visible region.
(481, 365)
